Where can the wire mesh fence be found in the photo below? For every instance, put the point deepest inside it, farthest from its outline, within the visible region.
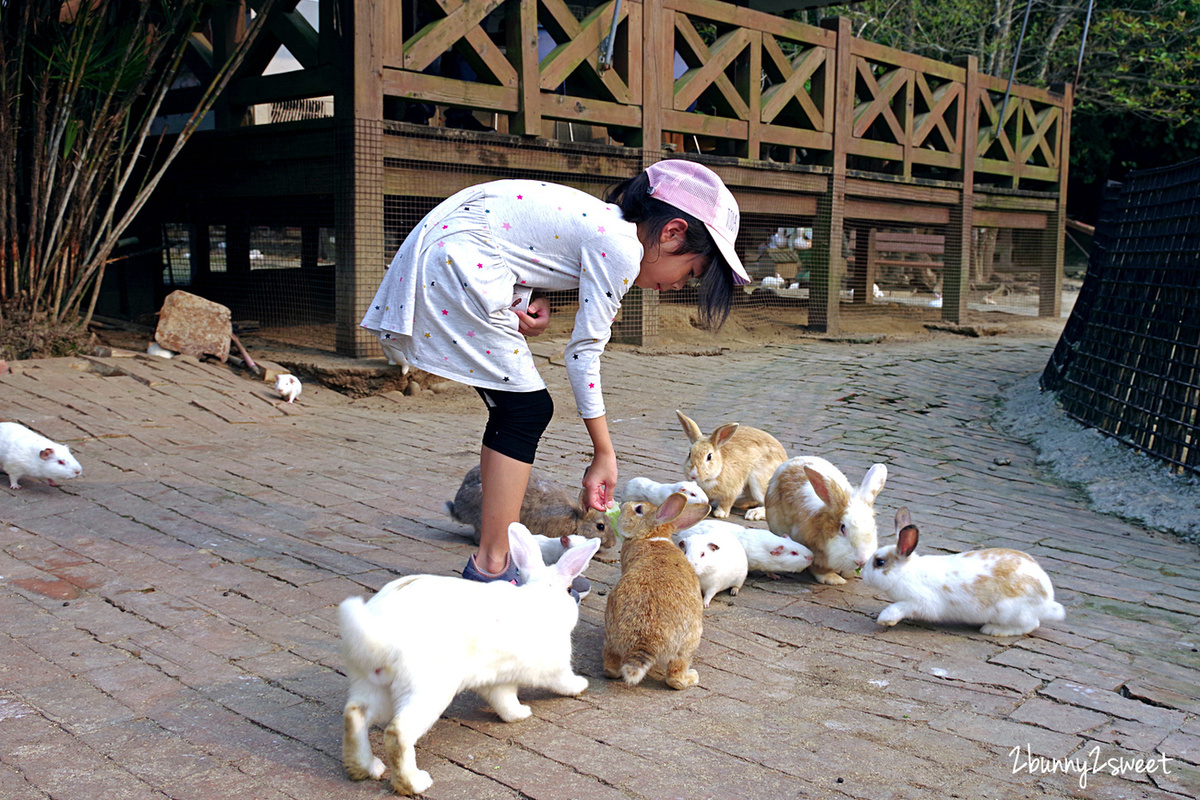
(274, 262)
(1128, 362)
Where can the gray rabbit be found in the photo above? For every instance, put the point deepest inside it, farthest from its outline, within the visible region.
(548, 510)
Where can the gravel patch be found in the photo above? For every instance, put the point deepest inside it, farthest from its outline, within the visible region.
(1116, 479)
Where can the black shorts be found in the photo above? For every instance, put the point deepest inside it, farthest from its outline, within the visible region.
(516, 421)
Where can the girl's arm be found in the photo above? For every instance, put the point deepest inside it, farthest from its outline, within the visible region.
(600, 479)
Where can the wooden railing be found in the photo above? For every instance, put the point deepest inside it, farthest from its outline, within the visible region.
(698, 73)
(743, 82)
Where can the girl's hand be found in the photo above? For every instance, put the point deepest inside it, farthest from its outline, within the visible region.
(600, 481)
(534, 320)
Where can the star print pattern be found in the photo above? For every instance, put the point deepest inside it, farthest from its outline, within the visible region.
(453, 319)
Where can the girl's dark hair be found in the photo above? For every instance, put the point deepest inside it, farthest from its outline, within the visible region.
(715, 292)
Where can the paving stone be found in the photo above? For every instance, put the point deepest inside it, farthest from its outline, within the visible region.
(198, 655)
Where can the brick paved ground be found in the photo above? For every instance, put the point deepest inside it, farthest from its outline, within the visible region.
(168, 621)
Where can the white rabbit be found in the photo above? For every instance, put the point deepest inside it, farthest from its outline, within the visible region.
(810, 501)
(394, 355)
(1003, 590)
(732, 465)
(155, 349)
(719, 561)
(422, 639)
(765, 551)
(656, 493)
(27, 453)
(289, 387)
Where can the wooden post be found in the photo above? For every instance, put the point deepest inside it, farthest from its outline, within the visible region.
(658, 76)
(1050, 273)
(956, 262)
(828, 263)
(640, 307)
(358, 197)
(522, 32)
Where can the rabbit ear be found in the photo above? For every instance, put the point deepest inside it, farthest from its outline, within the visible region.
(817, 481)
(524, 549)
(574, 560)
(671, 508)
(872, 483)
(906, 540)
(691, 514)
(723, 434)
(690, 428)
(903, 520)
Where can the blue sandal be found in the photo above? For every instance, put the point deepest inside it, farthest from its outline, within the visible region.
(579, 588)
(511, 574)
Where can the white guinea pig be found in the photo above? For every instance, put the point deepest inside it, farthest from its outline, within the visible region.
(719, 561)
(288, 386)
(26, 453)
(654, 492)
(765, 551)
(552, 548)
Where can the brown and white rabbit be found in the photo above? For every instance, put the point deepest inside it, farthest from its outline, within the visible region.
(1003, 590)
(733, 465)
(26, 453)
(422, 639)
(810, 501)
(547, 510)
(654, 616)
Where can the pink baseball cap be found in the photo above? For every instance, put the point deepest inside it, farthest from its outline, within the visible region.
(697, 190)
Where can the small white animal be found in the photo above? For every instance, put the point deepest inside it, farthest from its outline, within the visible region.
(656, 493)
(289, 387)
(422, 639)
(155, 349)
(552, 548)
(394, 355)
(1005, 591)
(719, 561)
(26, 453)
(765, 551)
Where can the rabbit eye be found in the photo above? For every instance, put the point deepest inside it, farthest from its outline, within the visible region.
(879, 562)
(843, 529)
(600, 526)
(708, 457)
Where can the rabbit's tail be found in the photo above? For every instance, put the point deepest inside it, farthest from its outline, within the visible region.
(362, 644)
(636, 665)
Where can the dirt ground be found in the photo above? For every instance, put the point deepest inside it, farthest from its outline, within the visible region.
(746, 328)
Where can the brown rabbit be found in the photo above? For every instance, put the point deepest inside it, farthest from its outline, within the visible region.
(653, 619)
(733, 466)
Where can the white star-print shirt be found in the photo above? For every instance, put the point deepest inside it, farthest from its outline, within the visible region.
(444, 302)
